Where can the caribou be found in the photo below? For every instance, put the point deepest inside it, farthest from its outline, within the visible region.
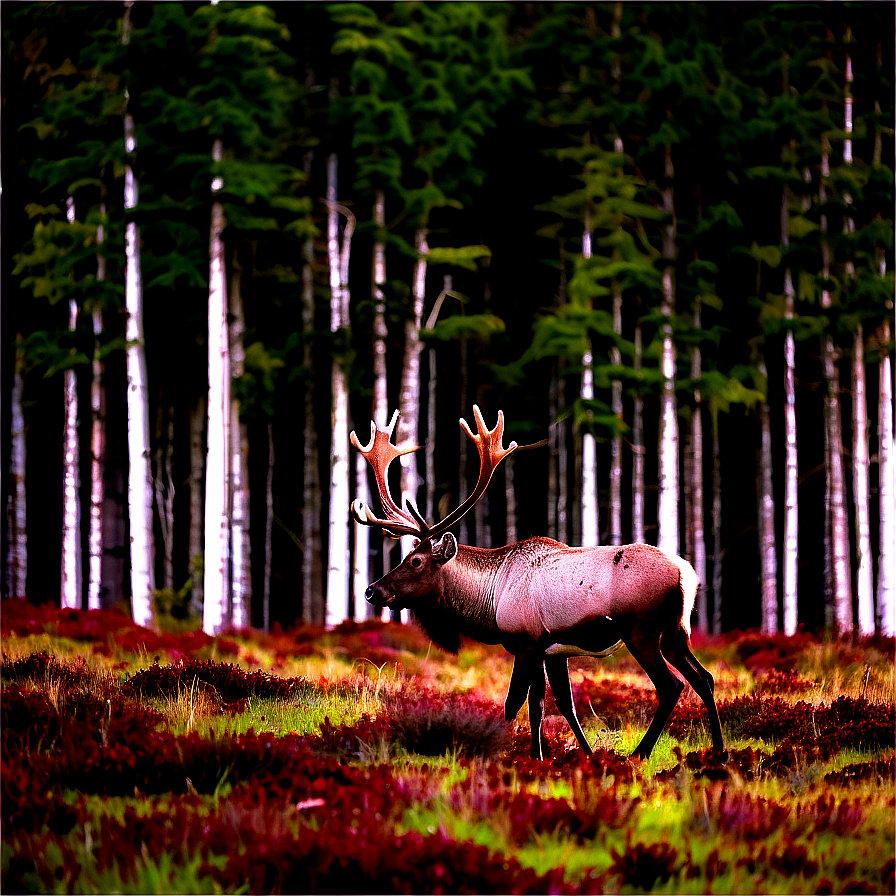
(542, 600)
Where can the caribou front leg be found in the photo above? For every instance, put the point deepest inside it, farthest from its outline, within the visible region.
(557, 668)
(518, 689)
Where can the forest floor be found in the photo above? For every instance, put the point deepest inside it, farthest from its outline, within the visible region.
(364, 760)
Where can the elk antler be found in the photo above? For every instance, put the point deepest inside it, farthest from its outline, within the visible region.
(380, 452)
(491, 453)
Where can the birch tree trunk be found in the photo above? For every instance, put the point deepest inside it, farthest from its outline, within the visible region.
(638, 453)
(886, 569)
(614, 536)
(696, 535)
(195, 538)
(362, 534)
(241, 568)
(667, 512)
(338, 579)
(590, 508)
(97, 441)
(791, 511)
(313, 602)
(268, 534)
(860, 459)
(717, 551)
(139, 467)
(216, 588)
(71, 493)
(860, 463)
(886, 560)
(16, 508)
(767, 549)
(842, 618)
(163, 486)
(409, 396)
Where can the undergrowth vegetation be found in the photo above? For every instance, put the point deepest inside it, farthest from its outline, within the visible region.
(363, 760)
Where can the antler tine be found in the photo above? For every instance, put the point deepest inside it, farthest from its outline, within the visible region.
(491, 452)
(379, 452)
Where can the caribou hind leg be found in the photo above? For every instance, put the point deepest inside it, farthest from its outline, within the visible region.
(645, 648)
(678, 651)
(557, 668)
(540, 748)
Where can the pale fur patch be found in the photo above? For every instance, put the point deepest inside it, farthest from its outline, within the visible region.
(689, 583)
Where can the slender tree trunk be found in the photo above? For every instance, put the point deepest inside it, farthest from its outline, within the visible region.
(409, 397)
(667, 513)
(163, 486)
(216, 608)
(197, 469)
(886, 569)
(842, 615)
(241, 567)
(268, 534)
(429, 449)
(362, 535)
(767, 548)
(139, 467)
(716, 530)
(590, 506)
(553, 455)
(71, 495)
(860, 463)
(791, 512)
(462, 490)
(313, 603)
(16, 508)
(638, 453)
(614, 536)
(697, 535)
(339, 563)
(860, 459)
(97, 441)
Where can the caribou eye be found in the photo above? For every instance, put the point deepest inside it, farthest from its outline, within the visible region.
(416, 562)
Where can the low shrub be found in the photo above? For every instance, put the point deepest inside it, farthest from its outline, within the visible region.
(431, 724)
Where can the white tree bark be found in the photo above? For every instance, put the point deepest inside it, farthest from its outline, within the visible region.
(338, 584)
(197, 470)
(638, 453)
(614, 536)
(139, 468)
(313, 595)
(767, 548)
(716, 530)
(215, 614)
(16, 517)
(590, 507)
(97, 441)
(241, 569)
(409, 395)
(697, 535)
(70, 595)
(860, 463)
(791, 511)
(16, 508)
(835, 485)
(886, 454)
(667, 512)
(163, 485)
(268, 534)
(362, 534)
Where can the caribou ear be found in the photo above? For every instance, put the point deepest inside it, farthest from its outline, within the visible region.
(445, 548)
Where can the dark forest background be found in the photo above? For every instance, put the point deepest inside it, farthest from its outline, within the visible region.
(494, 127)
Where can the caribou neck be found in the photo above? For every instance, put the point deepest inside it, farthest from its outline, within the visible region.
(465, 601)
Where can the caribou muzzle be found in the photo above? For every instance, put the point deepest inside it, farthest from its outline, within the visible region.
(378, 596)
